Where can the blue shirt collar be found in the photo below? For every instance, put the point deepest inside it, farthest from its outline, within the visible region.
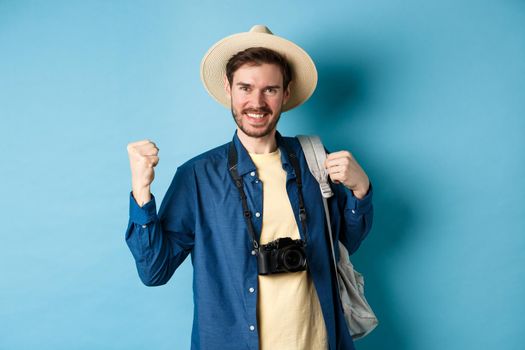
(245, 164)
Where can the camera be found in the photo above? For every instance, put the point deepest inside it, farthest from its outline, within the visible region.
(282, 255)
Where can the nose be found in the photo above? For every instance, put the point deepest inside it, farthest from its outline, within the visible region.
(258, 99)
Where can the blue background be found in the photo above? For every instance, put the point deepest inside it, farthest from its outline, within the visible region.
(428, 95)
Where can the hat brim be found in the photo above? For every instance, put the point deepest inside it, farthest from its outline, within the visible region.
(213, 65)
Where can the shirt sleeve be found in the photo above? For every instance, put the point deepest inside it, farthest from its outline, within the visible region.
(160, 242)
(357, 217)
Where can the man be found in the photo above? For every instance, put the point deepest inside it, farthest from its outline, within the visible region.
(234, 206)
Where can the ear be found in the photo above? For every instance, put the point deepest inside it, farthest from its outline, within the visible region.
(227, 87)
(286, 95)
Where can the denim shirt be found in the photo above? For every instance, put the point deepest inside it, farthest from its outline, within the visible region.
(201, 214)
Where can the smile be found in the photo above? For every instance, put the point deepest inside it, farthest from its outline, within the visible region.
(256, 115)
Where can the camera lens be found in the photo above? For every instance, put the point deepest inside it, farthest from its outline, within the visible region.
(293, 259)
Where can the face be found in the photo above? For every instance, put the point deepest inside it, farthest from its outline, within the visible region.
(257, 97)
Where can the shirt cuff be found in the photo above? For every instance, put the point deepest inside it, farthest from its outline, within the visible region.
(142, 215)
(359, 206)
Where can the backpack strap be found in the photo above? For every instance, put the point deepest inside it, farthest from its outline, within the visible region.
(315, 155)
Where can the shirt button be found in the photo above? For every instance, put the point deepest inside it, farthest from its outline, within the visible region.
(252, 173)
(257, 214)
(144, 226)
(353, 211)
(252, 328)
(251, 290)
(256, 181)
(254, 252)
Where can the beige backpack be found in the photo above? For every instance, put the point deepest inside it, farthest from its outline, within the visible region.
(359, 316)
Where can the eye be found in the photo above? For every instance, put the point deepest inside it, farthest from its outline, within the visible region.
(271, 90)
(244, 88)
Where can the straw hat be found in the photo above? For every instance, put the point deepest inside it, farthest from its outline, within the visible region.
(213, 65)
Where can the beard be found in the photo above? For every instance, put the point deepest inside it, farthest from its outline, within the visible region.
(258, 132)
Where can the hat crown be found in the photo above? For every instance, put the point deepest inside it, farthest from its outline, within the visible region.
(259, 28)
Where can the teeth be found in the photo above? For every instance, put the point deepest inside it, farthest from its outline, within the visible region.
(254, 115)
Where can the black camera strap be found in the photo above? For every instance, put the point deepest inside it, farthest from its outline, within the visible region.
(232, 166)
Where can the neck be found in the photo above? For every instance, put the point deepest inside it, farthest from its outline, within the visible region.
(258, 145)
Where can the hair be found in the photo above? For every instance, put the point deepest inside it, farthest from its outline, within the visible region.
(257, 56)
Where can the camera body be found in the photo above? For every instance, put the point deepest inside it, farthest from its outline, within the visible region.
(282, 255)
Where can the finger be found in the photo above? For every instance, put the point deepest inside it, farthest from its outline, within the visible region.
(339, 154)
(337, 158)
(151, 152)
(337, 169)
(147, 144)
(153, 161)
(335, 178)
(337, 162)
(132, 146)
(148, 149)
(149, 161)
(335, 155)
(328, 163)
(141, 147)
(139, 143)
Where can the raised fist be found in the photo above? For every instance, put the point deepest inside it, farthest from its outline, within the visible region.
(143, 157)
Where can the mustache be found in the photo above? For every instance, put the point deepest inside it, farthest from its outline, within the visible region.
(265, 110)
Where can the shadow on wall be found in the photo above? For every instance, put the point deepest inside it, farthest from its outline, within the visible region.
(344, 92)
(340, 91)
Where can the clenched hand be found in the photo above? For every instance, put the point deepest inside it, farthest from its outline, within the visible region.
(143, 157)
(343, 168)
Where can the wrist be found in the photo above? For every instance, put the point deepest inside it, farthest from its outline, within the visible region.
(359, 194)
(362, 191)
(142, 195)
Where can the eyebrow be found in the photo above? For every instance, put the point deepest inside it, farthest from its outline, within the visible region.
(266, 87)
